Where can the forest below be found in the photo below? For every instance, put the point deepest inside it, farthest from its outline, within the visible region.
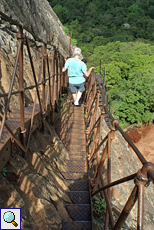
(120, 33)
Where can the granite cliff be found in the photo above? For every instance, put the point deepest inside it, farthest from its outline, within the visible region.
(39, 19)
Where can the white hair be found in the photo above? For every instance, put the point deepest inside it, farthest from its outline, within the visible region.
(77, 51)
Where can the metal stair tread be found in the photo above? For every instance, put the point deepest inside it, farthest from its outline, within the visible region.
(79, 211)
(77, 225)
(77, 185)
(76, 166)
(74, 175)
(77, 157)
(77, 169)
(79, 197)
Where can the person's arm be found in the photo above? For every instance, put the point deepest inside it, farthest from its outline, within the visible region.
(88, 72)
(66, 65)
(64, 69)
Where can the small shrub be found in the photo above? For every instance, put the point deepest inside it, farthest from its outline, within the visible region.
(99, 207)
(4, 171)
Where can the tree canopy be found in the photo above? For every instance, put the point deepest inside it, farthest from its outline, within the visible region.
(121, 34)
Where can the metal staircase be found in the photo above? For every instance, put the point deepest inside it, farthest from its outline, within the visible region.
(76, 177)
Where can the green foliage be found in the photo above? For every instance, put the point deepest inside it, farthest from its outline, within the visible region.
(106, 19)
(120, 33)
(4, 171)
(74, 42)
(130, 79)
(61, 11)
(99, 206)
(61, 100)
(66, 30)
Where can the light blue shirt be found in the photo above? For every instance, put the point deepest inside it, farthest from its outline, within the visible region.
(76, 69)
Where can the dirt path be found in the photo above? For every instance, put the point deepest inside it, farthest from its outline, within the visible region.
(144, 140)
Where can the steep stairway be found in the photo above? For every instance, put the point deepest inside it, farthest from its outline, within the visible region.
(74, 138)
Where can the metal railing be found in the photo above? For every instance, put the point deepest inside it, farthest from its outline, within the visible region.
(99, 151)
(49, 86)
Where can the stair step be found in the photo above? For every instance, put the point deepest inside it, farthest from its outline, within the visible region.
(76, 225)
(76, 166)
(77, 110)
(79, 197)
(79, 212)
(74, 175)
(75, 126)
(77, 151)
(77, 157)
(72, 135)
(75, 117)
(75, 141)
(76, 148)
(77, 185)
(75, 121)
(73, 130)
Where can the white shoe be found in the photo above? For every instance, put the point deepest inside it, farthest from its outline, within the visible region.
(76, 103)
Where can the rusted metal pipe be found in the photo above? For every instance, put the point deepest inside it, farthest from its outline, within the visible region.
(138, 153)
(57, 82)
(44, 76)
(34, 75)
(107, 202)
(50, 103)
(13, 93)
(126, 210)
(140, 216)
(14, 137)
(99, 169)
(53, 85)
(148, 170)
(21, 37)
(14, 22)
(142, 180)
(33, 111)
(10, 90)
(120, 181)
(108, 177)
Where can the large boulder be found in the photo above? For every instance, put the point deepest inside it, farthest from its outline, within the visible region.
(39, 19)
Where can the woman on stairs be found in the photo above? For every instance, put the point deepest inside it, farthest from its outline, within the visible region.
(76, 71)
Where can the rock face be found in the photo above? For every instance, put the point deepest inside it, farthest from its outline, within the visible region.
(39, 189)
(124, 163)
(39, 19)
(35, 185)
(8, 51)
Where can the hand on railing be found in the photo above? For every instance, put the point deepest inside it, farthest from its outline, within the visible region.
(88, 72)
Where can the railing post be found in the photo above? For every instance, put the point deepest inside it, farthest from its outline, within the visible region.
(141, 181)
(129, 205)
(49, 91)
(21, 36)
(60, 77)
(64, 85)
(70, 50)
(53, 84)
(56, 105)
(44, 76)
(110, 138)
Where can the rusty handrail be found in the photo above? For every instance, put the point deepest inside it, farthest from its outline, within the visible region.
(141, 178)
(14, 22)
(28, 87)
(10, 90)
(48, 98)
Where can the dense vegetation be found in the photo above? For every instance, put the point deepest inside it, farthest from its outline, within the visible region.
(121, 34)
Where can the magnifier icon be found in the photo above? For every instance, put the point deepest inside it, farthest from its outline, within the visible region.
(9, 217)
